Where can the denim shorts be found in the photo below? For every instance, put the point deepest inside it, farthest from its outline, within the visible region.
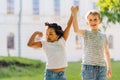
(90, 72)
(51, 75)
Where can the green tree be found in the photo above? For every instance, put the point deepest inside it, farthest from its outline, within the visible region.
(110, 9)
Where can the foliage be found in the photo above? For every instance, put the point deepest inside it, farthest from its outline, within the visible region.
(7, 61)
(110, 9)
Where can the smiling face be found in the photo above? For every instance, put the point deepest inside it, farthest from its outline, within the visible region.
(93, 20)
(51, 36)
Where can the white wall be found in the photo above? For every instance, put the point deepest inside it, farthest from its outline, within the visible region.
(114, 30)
(31, 23)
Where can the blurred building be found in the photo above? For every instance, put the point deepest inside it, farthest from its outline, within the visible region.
(17, 28)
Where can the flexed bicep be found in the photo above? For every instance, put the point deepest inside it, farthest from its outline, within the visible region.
(35, 44)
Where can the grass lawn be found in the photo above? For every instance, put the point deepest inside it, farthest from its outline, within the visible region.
(115, 70)
(73, 72)
(74, 69)
(37, 77)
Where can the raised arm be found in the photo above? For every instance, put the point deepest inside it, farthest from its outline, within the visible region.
(75, 21)
(67, 30)
(32, 43)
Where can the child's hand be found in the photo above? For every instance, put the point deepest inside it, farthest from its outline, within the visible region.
(74, 10)
(109, 73)
(40, 34)
(77, 8)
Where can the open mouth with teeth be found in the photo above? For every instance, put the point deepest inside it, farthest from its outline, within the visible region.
(93, 25)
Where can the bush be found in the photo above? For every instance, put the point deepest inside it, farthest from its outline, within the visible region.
(16, 66)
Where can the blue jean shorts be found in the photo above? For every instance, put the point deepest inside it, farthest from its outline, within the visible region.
(90, 72)
(51, 75)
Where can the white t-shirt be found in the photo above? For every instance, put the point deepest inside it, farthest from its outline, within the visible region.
(55, 53)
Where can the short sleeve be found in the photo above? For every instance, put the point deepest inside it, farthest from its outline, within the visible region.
(44, 42)
(85, 33)
(106, 41)
(62, 41)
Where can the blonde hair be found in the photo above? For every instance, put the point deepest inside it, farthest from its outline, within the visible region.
(93, 12)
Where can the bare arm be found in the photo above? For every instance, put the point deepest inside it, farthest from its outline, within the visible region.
(75, 21)
(67, 30)
(107, 55)
(32, 43)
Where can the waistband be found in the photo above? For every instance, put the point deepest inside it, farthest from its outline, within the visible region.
(55, 75)
(51, 71)
(92, 66)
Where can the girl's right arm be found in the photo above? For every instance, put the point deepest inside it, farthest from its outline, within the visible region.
(75, 21)
(32, 43)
